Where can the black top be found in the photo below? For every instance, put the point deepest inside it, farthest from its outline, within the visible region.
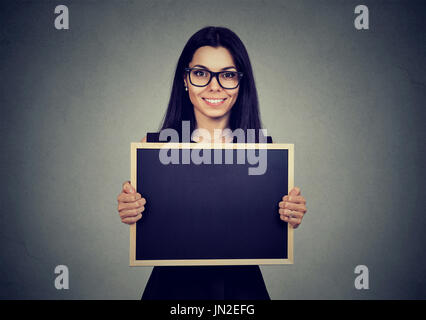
(205, 282)
(155, 137)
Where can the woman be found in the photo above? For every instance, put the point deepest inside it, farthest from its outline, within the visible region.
(214, 89)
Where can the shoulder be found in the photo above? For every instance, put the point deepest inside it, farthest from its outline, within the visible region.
(151, 137)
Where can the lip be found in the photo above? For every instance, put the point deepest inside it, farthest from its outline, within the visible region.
(214, 104)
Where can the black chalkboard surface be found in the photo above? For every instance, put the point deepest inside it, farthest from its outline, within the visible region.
(211, 214)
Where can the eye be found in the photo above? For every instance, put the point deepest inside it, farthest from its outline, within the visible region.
(229, 75)
(200, 73)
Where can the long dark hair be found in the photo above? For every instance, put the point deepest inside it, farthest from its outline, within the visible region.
(245, 112)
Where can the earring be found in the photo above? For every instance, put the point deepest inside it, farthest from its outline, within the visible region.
(186, 88)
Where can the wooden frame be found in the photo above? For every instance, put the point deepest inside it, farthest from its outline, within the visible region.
(146, 145)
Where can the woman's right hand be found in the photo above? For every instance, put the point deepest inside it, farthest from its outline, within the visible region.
(130, 204)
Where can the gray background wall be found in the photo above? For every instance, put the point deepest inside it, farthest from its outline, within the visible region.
(351, 101)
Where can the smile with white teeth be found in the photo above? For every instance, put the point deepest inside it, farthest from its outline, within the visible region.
(214, 101)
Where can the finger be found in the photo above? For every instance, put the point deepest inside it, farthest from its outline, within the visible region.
(295, 199)
(128, 188)
(292, 206)
(295, 225)
(124, 197)
(295, 191)
(132, 220)
(290, 213)
(293, 221)
(131, 213)
(131, 205)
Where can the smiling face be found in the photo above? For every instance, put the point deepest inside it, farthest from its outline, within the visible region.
(212, 102)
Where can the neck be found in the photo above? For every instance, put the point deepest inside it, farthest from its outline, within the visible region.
(211, 124)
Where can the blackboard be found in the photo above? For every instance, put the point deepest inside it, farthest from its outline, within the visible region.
(211, 213)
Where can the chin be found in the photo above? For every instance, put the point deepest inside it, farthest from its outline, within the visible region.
(215, 114)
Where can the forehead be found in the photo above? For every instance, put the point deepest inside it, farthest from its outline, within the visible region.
(213, 58)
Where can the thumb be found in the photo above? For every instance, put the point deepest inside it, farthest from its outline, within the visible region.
(294, 192)
(128, 188)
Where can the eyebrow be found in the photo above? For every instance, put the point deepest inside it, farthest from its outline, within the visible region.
(204, 67)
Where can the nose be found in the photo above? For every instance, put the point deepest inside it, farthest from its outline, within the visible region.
(214, 84)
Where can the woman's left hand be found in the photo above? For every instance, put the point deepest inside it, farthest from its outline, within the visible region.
(292, 207)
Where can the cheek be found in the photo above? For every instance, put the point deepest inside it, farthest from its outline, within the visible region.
(194, 96)
(234, 97)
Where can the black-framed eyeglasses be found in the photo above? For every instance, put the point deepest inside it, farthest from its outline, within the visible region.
(202, 77)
